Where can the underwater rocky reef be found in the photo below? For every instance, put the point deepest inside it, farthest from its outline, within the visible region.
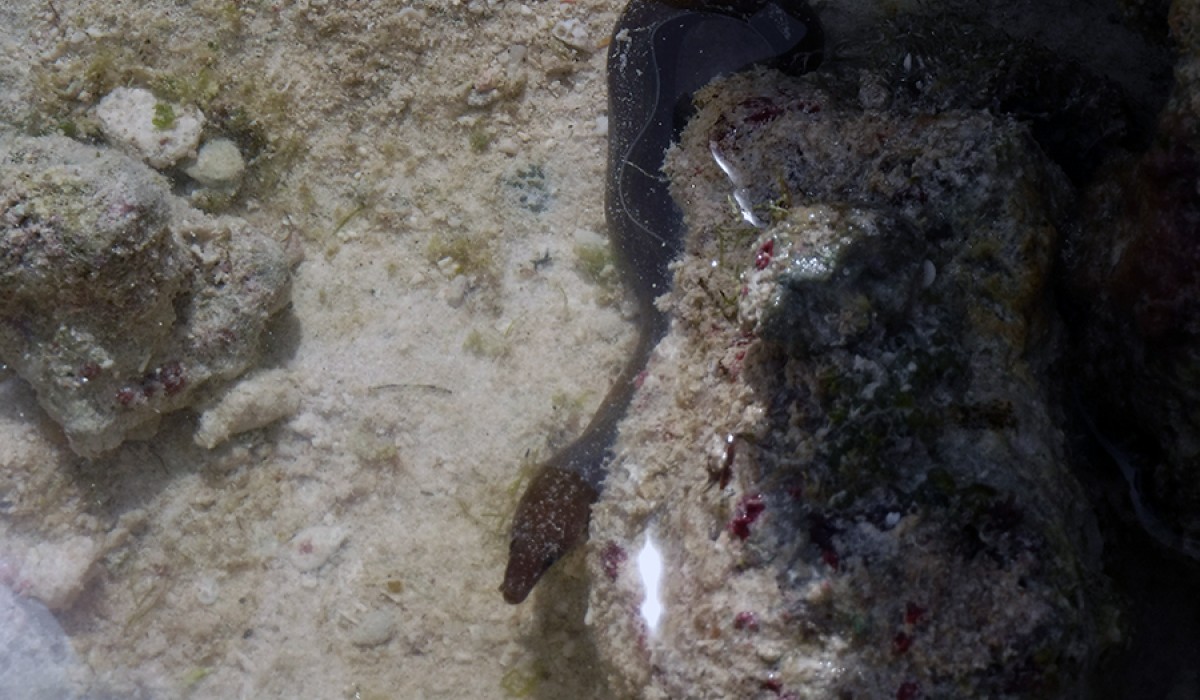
(928, 291)
(118, 301)
(913, 415)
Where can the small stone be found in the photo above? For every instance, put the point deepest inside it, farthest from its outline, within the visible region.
(373, 630)
(218, 165)
(573, 33)
(57, 572)
(208, 590)
(313, 546)
(455, 293)
(158, 132)
(507, 145)
(255, 402)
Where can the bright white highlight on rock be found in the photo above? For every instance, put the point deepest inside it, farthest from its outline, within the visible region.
(650, 566)
(739, 190)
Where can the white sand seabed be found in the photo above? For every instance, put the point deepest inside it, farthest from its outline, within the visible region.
(352, 549)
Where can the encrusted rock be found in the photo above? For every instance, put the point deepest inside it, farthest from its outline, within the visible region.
(159, 132)
(846, 447)
(117, 302)
(55, 572)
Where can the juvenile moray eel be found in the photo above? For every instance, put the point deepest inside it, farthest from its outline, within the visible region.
(661, 53)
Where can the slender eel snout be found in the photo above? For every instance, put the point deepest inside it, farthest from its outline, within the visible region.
(662, 51)
(551, 518)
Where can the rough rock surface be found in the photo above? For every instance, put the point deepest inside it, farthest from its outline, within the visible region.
(117, 302)
(846, 447)
(160, 133)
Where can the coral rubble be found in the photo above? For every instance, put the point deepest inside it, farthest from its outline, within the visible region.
(118, 303)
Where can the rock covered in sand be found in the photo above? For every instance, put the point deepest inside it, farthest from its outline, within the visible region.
(846, 448)
(159, 132)
(117, 302)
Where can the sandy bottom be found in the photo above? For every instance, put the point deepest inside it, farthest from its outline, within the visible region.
(353, 549)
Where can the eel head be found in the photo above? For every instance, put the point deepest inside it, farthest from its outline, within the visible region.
(551, 518)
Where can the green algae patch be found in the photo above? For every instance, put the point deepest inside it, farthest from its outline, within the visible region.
(596, 263)
(164, 116)
(489, 344)
(522, 682)
(528, 188)
(472, 256)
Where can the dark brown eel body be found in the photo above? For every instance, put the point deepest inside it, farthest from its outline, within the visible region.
(660, 54)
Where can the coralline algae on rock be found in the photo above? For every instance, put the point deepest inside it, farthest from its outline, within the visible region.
(117, 302)
(846, 447)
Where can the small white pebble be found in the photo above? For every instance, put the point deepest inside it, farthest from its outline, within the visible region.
(455, 293)
(313, 546)
(218, 165)
(573, 33)
(516, 56)
(482, 98)
(928, 273)
(376, 628)
(207, 590)
(411, 16)
(507, 145)
(127, 118)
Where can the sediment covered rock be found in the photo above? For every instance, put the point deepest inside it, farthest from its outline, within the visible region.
(118, 303)
(846, 448)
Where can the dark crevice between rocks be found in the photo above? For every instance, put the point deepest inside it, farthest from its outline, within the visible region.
(1113, 146)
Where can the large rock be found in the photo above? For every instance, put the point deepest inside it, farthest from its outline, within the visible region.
(117, 302)
(846, 448)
